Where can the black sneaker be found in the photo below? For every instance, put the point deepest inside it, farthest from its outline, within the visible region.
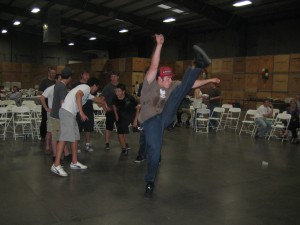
(201, 59)
(149, 190)
(107, 148)
(124, 152)
(139, 159)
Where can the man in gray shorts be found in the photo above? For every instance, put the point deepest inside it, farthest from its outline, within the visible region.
(69, 131)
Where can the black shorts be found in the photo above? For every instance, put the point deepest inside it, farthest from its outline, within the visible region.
(122, 126)
(110, 120)
(88, 125)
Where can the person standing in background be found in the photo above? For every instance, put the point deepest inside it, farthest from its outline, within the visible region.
(214, 101)
(49, 81)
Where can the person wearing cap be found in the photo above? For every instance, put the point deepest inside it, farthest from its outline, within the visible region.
(59, 93)
(160, 99)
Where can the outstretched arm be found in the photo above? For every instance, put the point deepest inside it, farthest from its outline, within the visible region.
(199, 83)
(151, 74)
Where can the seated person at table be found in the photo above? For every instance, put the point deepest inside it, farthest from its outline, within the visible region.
(15, 94)
(263, 112)
(294, 123)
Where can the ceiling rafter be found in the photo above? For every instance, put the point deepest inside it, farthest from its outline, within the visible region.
(42, 17)
(221, 17)
(151, 25)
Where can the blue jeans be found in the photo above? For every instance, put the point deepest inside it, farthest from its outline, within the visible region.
(154, 127)
(142, 145)
(263, 126)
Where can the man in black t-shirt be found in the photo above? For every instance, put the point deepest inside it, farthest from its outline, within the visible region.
(125, 110)
(49, 81)
(88, 125)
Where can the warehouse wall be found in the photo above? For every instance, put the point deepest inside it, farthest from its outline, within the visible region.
(30, 49)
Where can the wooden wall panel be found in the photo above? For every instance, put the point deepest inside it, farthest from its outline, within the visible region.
(238, 95)
(295, 63)
(216, 65)
(227, 65)
(281, 63)
(238, 81)
(280, 83)
(279, 95)
(251, 82)
(265, 85)
(239, 65)
(294, 82)
(252, 64)
(263, 95)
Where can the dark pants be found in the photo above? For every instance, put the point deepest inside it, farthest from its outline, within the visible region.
(43, 126)
(154, 127)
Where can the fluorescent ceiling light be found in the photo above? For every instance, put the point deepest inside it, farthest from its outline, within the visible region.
(35, 10)
(71, 43)
(169, 20)
(4, 31)
(242, 3)
(17, 22)
(123, 31)
(164, 6)
(92, 38)
(178, 10)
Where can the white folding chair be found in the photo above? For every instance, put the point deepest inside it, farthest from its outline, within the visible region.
(216, 118)
(22, 120)
(226, 112)
(99, 119)
(36, 119)
(3, 122)
(248, 123)
(275, 113)
(280, 125)
(202, 121)
(232, 118)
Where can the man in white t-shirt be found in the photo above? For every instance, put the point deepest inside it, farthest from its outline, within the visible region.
(69, 131)
(263, 112)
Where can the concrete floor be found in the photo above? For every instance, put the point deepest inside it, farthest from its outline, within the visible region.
(214, 179)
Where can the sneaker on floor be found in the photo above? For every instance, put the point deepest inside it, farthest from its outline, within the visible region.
(58, 170)
(201, 59)
(149, 190)
(139, 159)
(78, 166)
(89, 148)
(107, 148)
(124, 152)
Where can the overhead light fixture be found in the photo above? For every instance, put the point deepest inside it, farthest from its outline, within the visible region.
(17, 22)
(35, 10)
(71, 43)
(242, 3)
(92, 38)
(123, 31)
(164, 6)
(169, 20)
(3, 31)
(178, 10)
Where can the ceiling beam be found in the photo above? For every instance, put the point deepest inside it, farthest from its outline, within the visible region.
(150, 25)
(221, 17)
(42, 17)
